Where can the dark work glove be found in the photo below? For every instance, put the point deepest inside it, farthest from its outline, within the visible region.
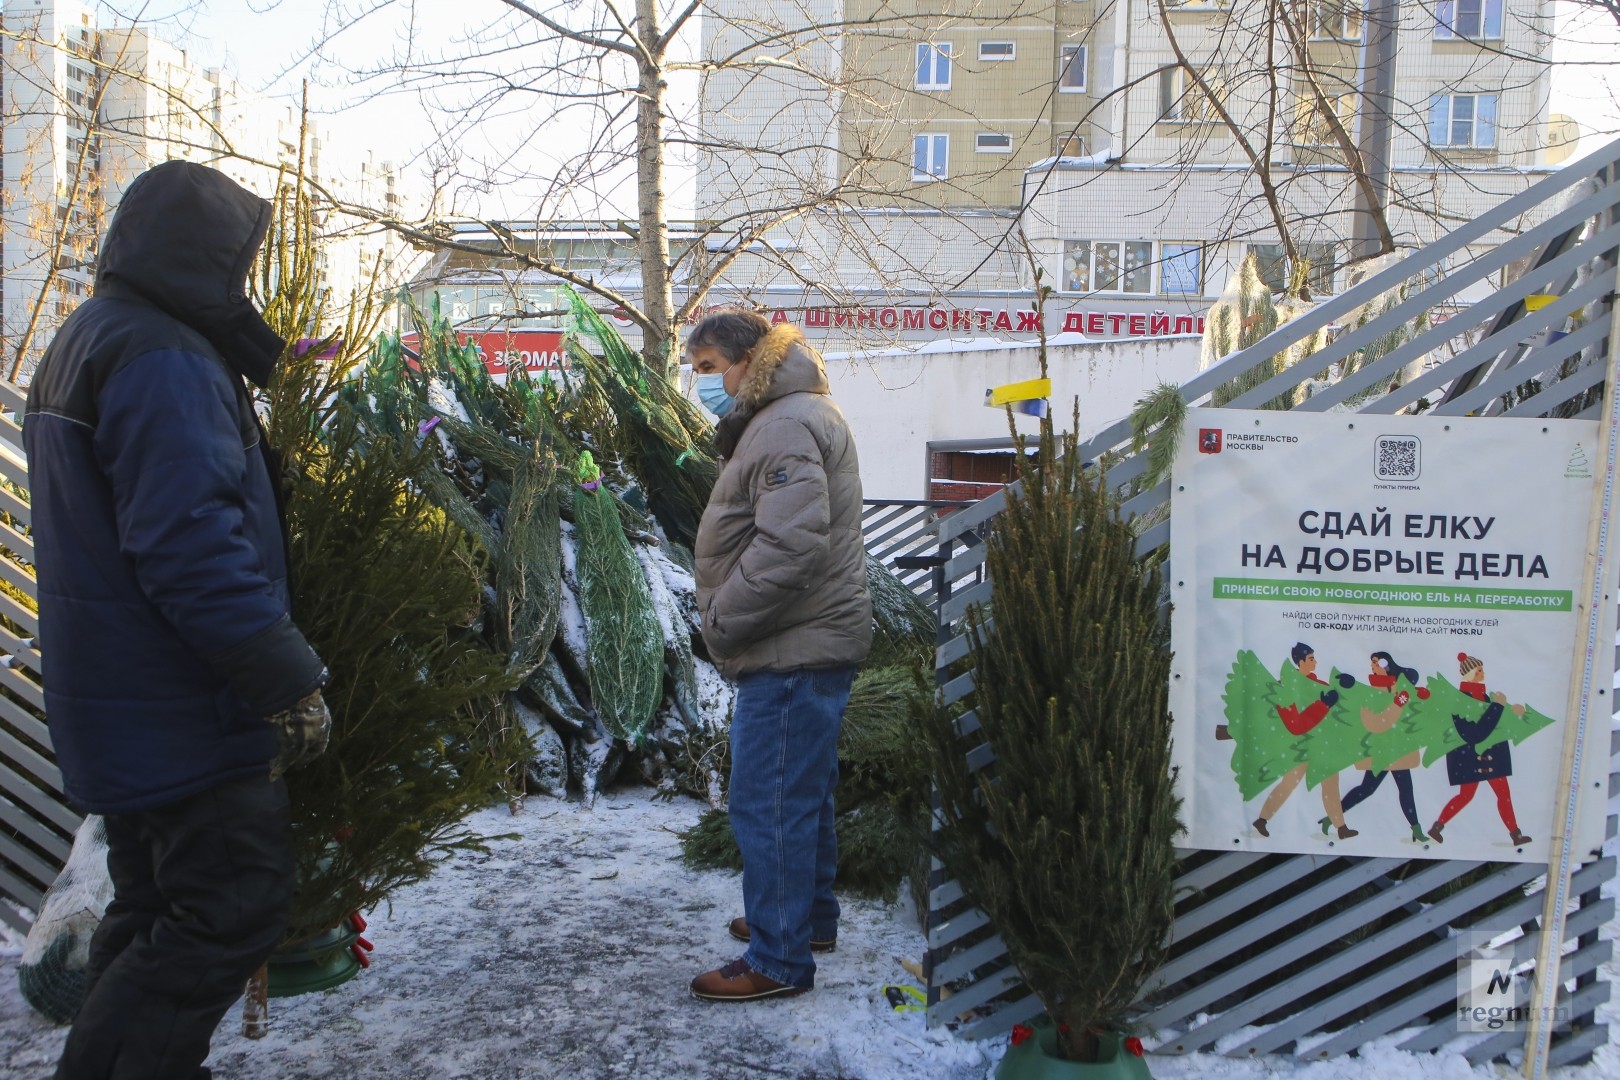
(302, 732)
(1346, 679)
(1330, 698)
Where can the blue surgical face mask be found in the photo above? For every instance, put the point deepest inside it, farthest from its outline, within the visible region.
(711, 390)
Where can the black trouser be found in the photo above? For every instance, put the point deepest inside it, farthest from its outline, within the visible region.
(201, 889)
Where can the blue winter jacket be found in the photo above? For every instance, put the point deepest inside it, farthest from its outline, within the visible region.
(160, 552)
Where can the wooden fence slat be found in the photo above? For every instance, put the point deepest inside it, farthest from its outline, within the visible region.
(1398, 1014)
(957, 689)
(960, 964)
(24, 861)
(31, 760)
(16, 507)
(19, 891)
(987, 988)
(1224, 865)
(958, 927)
(1280, 994)
(31, 726)
(1002, 1020)
(945, 895)
(25, 688)
(1242, 898)
(42, 801)
(12, 397)
(1578, 1046)
(1354, 875)
(1589, 997)
(32, 830)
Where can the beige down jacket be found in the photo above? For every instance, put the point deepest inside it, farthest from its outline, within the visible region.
(781, 567)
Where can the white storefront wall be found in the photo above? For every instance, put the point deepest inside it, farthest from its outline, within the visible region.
(898, 403)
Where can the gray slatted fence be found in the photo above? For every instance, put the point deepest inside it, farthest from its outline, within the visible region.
(899, 532)
(36, 823)
(1316, 955)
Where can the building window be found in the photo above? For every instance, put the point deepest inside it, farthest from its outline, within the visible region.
(1463, 120)
(1334, 20)
(1316, 127)
(1072, 73)
(1181, 268)
(1273, 266)
(998, 50)
(987, 143)
(1108, 266)
(1471, 19)
(928, 156)
(1182, 101)
(934, 66)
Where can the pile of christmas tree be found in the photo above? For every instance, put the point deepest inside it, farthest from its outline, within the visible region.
(583, 490)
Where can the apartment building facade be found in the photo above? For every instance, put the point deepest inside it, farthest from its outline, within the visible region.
(1130, 138)
(86, 110)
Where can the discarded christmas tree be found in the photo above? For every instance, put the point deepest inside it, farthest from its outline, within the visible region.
(1065, 841)
(385, 588)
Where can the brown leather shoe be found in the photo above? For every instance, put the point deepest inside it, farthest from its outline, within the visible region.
(739, 930)
(737, 981)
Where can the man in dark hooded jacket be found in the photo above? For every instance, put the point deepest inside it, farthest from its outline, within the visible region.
(164, 609)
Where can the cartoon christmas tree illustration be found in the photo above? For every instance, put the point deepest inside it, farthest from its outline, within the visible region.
(1446, 701)
(1341, 739)
(1264, 748)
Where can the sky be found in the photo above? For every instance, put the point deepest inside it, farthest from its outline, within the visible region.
(273, 46)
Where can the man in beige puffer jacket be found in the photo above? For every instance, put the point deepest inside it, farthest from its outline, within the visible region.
(781, 582)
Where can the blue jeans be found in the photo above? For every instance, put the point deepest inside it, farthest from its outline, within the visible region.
(784, 767)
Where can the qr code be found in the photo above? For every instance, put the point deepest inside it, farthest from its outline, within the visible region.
(1397, 457)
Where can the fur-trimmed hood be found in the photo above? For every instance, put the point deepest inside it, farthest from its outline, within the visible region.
(782, 363)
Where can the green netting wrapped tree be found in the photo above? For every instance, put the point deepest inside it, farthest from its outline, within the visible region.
(626, 641)
(1065, 840)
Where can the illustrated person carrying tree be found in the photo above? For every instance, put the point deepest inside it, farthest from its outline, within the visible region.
(1466, 766)
(163, 603)
(1298, 721)
(781, 585)
(1384, 675)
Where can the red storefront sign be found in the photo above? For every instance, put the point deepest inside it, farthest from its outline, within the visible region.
(944, 320)
(534, 351)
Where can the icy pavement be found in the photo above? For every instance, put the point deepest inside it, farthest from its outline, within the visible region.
(566, 953)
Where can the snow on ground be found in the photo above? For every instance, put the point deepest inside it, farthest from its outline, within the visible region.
(566, 952)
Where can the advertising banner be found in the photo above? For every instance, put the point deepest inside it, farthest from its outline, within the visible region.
(535, 351)
(1374, 630)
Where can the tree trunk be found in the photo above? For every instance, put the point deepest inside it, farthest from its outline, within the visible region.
(256, 1005)
(653, 237)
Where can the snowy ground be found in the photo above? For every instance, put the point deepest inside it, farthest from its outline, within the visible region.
(567, 952)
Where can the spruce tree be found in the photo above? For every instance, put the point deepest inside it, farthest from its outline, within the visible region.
(1065, 841)
(385, 587)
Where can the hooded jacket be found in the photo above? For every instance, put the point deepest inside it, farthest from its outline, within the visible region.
(781, 566)
(160, 555)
